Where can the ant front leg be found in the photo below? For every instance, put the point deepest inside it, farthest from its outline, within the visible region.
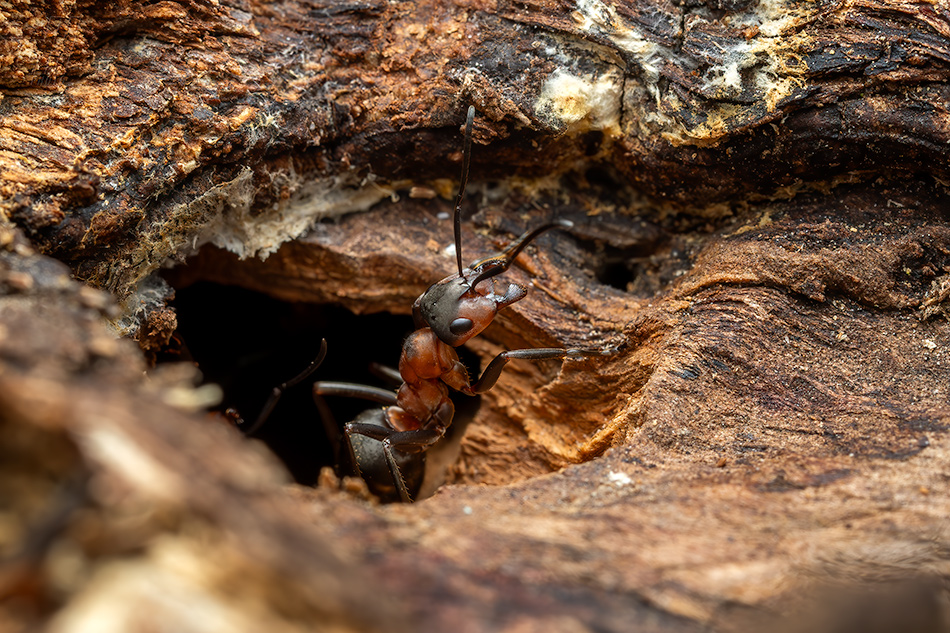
(491, 374)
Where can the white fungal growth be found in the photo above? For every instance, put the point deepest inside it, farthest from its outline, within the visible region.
(775, 70)
(727, 77)
(764, 62)
(596, 14)
(237, 229)
(773, 17)
(582, 103)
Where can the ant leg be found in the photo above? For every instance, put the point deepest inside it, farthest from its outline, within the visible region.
(390, 375)
(367, 429)
(279, 390)
(415, 441)
(354, 390)
(405, 441)
(349, 390)
(490, 376)
(330, 426)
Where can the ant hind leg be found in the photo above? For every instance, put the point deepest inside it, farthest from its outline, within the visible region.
(389, 374)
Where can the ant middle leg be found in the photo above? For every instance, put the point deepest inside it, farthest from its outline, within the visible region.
(348, 390)
(391, 463)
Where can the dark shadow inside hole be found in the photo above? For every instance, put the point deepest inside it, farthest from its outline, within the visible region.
(616, 272)
(248, 343)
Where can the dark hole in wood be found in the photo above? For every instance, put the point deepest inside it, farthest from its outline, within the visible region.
(248, 343)
(616, 272)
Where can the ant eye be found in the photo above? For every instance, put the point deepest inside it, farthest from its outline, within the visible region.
(460, 326)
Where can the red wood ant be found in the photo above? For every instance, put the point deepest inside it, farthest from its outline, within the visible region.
(387, 446)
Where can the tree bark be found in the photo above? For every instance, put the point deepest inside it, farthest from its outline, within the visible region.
(758, 192)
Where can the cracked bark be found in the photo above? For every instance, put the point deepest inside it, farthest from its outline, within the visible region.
(758, 192)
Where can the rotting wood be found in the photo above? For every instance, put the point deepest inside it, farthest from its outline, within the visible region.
(150, 127)
(772, 431)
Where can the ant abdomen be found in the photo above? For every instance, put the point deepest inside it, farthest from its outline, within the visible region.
(373, 467)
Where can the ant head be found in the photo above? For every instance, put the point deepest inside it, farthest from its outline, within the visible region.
(460, 306)
(457, 308)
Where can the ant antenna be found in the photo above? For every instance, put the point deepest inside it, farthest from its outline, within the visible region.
(466, 160)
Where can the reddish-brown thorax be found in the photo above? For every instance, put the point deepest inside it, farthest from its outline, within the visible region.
(427, 367)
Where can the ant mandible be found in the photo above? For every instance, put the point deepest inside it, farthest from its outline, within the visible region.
(389, 444)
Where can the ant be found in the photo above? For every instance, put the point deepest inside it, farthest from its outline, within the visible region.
(387, 446)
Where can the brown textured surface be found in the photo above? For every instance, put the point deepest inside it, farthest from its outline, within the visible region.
(164, 116)
(120, 509)
(767, 444)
